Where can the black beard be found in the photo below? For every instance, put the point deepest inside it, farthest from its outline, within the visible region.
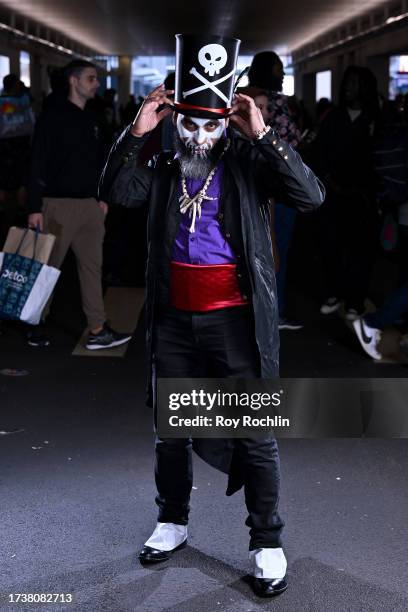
(196, 166)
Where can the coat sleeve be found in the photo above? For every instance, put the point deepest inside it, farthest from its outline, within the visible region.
(123, 182)
(283, 174)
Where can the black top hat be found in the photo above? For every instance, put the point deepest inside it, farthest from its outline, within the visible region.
(205, 74)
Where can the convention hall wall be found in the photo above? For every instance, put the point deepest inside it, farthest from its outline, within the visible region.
(372, 51)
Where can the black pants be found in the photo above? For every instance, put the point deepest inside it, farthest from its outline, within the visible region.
(348, 238)
(221, 344)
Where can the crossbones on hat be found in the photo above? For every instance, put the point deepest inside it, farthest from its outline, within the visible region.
(205, 75)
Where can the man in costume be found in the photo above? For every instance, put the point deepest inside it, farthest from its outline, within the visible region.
(210, 281)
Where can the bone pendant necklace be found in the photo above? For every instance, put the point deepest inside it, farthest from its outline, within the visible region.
(192, 205)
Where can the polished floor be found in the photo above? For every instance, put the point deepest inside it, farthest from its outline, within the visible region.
(77, 490)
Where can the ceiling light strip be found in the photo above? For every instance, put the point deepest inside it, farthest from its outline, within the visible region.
(42, 41)
(398, 18)
(347, 39)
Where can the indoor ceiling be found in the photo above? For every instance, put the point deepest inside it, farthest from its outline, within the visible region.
(132, 27)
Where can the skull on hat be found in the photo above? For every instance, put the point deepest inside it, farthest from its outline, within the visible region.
(212, 58)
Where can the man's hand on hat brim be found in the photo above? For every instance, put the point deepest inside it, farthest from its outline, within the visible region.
(155, 107)
(246, 116)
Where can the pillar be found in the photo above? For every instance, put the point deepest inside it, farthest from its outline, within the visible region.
(124, 78)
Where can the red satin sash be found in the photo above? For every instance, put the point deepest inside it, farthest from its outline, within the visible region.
(204, 288)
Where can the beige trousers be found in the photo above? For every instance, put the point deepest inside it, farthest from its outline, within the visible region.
(79, 224)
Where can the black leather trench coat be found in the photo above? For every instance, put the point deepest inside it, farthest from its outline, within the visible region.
(252, 174)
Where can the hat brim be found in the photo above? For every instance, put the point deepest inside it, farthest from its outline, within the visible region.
(201, 112)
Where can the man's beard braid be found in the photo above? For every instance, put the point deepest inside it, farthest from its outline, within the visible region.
(197, 166)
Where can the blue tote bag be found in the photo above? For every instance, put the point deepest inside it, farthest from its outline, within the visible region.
(25, 286)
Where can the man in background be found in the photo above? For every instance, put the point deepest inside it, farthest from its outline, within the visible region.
(65, 168)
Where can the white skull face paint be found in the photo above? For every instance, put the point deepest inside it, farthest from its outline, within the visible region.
(200, 135)
(212, 58)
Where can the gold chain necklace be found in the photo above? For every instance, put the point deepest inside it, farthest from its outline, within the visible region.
(193, 204)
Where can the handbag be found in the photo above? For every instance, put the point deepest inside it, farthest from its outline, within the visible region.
(26, 284)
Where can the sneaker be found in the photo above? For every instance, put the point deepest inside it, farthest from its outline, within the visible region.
(331, 305)
(36, 336)
(369, 337)
(352, 314)
(285, 323)
(106, 338)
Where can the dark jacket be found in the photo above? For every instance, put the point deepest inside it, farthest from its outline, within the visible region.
(342, 155)
(67, 155)
(253, 173)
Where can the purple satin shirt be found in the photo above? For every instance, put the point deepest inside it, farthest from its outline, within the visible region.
(207, 245)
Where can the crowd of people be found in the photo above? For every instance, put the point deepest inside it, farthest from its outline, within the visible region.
(360, 151)
(358, 148)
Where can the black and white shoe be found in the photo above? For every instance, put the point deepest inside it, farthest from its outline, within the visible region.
(106, 338)
(37, 336)
(166, 539)
(268, 572)
(290, 324)
(266, 587)
(369, 337)
(331, 305)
